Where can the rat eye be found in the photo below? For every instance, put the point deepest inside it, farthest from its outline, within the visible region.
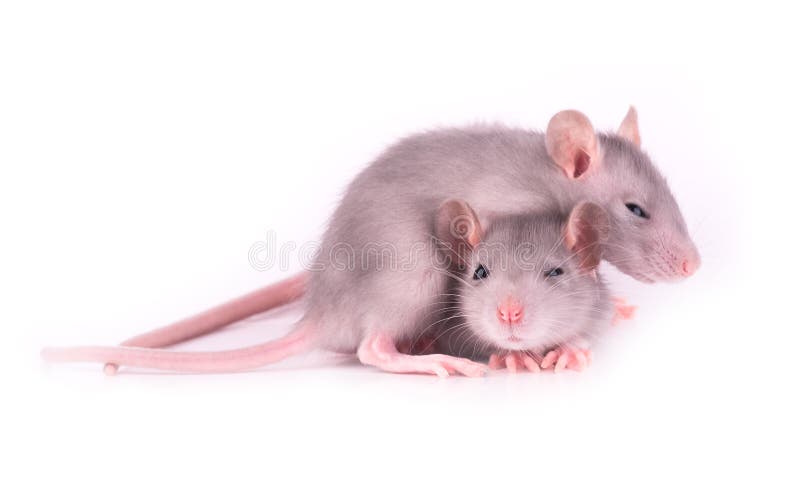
(637, 210)
(554, 272)
(480, 273)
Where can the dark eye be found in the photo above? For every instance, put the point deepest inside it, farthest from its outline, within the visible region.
(637, 210)
(480, 273)
(554, 272)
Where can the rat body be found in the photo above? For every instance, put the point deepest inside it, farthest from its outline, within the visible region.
(500, 171)
(543, 294)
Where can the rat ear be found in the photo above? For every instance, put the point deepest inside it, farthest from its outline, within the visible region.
(629, 128)
(457, 227)
(571, 142)
(586, 231)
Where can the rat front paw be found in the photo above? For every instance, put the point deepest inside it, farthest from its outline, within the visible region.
(513, 361)
(567, 358)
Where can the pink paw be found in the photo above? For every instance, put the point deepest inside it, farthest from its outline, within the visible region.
(444, 365)
(567, 358)
(513, 361)
(623, 311)
(380, 351)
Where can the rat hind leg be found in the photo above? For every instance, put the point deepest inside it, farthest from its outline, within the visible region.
(379, 350)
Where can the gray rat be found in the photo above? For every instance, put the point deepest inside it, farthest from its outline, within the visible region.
(499, 170)
(534, 287)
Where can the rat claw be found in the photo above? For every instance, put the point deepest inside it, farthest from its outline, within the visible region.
(494, 362)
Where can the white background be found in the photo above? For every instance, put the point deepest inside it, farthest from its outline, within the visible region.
(145, 146)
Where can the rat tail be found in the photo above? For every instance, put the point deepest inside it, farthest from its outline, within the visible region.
(261, 300)
(297, 341)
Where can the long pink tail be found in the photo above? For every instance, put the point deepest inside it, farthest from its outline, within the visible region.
(261, 300)
(297, 341)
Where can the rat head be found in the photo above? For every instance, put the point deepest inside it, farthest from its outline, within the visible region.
(648, 238)
(527, 282)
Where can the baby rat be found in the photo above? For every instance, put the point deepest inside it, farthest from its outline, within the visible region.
(533, 287)
(500, 171)
(529, 290)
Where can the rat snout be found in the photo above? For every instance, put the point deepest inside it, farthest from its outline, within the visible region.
(690, 263)
(672, 262)
(510, 311)
(688, 267)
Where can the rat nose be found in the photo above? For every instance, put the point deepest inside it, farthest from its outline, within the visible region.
(689, 266)
(510, 311)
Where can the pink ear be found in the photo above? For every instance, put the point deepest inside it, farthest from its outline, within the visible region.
(571, 142)
(457, 227)
(586, 231)
(629, 128)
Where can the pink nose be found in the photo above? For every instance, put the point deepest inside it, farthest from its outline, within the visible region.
(689, 266)
(510, 312)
